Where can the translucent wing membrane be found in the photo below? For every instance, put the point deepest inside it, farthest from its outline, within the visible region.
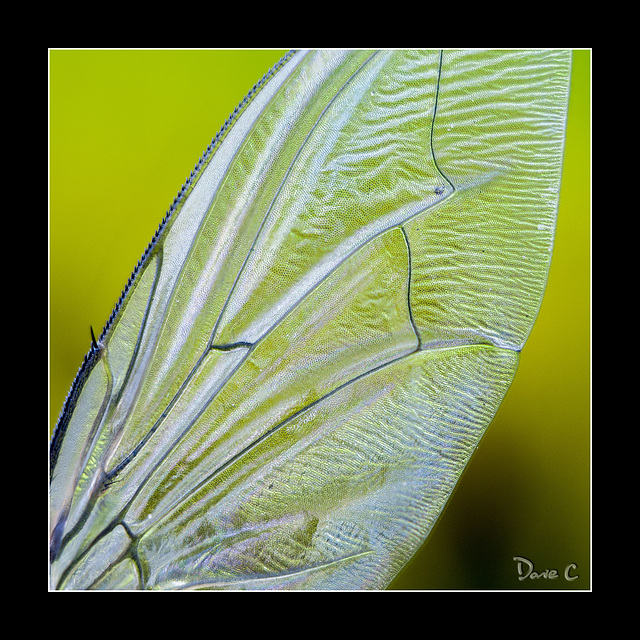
(313, 345)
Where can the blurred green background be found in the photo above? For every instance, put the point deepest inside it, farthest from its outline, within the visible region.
(126, 128)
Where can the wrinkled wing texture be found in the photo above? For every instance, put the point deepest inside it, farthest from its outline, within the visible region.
(312, 347)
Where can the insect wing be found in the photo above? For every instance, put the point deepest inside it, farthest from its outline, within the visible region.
(322, 329)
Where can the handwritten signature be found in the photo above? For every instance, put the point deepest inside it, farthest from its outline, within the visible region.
(526, 570)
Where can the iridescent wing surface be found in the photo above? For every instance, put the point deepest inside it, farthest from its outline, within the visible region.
(313, 344)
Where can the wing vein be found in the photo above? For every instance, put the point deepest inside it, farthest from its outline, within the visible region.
(279, 191)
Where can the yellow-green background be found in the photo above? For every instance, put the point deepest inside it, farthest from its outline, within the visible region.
(126, 127)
